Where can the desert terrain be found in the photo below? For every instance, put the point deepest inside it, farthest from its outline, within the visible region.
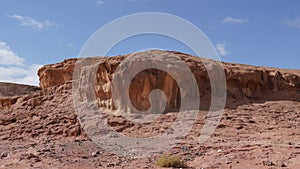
(260, 126)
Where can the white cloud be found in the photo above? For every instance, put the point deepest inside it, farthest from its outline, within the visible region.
(13, 68)
(233, 20)
(22, 75)
(99, 2)
(221, 48)
(293, 22)
(8, 57)
(33, 23)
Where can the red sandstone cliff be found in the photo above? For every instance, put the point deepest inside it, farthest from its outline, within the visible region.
(259, 128)
(243, 81)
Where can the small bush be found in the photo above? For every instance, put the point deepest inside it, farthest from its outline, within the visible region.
(170, 161)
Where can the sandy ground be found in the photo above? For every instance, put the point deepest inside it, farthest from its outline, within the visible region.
(256, 135)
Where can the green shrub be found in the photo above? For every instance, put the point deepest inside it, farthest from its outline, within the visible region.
(170, 161)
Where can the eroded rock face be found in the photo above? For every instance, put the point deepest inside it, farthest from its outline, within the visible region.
(56, 74)
(6, 103)
(243, 81)
(257, 81)
(46, 114)
(45, 120)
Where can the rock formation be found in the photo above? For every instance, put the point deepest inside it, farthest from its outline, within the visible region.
(243, 81)
(259, 128)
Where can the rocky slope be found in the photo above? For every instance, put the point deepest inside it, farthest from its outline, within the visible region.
(259, 128)
(8, 90)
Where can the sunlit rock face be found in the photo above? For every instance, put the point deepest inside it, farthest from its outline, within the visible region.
(242, 81)
(28, 112)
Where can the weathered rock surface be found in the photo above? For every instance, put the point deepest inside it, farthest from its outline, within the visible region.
(10, 89)
(47, 114)
(259, 128)
(56, 74)
(243, 81)
(9, 93)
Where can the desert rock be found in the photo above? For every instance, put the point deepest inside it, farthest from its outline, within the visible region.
(259, 127)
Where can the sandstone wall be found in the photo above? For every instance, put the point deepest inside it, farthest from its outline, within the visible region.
(44, 112)
(243, 81)
(56, 74)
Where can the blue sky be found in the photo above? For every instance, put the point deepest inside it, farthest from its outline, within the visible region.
(34, 33)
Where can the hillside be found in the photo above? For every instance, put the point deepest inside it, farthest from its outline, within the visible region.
(10, 89)
(259, 127)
